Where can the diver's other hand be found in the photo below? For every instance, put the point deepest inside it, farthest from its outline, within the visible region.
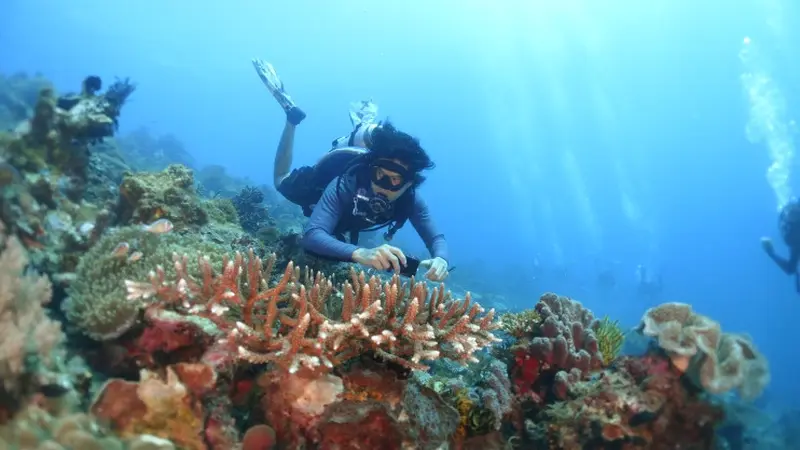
(384, 257)
(766, 244)
(437, 269)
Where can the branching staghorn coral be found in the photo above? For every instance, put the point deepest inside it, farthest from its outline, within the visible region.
(287, 324)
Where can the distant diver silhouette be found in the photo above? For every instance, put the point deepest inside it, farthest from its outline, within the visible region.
(789, 226)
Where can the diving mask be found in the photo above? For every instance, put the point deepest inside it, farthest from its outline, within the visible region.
(389, 175)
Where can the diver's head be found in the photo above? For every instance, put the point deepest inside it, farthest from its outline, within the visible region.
(396, 161)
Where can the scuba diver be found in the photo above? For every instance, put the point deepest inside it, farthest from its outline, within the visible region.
(367, 181)
(647, 284)
(789, 226)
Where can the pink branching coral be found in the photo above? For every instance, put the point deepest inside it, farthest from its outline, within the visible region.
(28, 337)
(288, 324)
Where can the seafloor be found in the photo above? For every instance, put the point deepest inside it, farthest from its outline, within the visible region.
(147, 303)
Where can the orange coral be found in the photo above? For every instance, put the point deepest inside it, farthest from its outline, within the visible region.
(288, 324)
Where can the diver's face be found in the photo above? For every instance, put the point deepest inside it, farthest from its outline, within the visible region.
(388, 177)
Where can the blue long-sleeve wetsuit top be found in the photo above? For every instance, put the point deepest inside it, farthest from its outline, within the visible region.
(333, 215)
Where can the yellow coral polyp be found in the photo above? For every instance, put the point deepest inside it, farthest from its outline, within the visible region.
(609, 339)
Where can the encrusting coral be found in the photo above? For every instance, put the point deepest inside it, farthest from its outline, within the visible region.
(716, 361)
(286, 325)
(40, 429)
(637, 403)
(164, 408)
(171, 194)
(521, 324)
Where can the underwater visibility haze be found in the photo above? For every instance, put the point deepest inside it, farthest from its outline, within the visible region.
(636, 159)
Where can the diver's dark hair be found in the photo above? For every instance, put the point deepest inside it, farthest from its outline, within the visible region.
(389, 143)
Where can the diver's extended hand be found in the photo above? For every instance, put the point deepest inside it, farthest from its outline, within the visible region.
(766, 244)
(384, 257)
(437, 269)
(271, 80)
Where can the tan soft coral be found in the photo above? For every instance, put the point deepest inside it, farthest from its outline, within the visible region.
(718, 362)
(29, 339)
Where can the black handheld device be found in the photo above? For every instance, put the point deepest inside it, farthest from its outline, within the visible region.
(410, 269)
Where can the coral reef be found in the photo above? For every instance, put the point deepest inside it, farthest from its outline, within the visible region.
(368, 407)
(95, 116)
(481, 393)
(252, 213)
(192, 349)
(716, 361)
(96, 303)
(30, 342)
(38, 428)
(521, 324)
(639, 403)
(564, 348)
(401, 323)
(46, 174)
(170, 194)
(169, 408)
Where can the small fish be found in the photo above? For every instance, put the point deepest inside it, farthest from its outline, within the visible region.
(135, 256)
(159, 226)
(121, 250)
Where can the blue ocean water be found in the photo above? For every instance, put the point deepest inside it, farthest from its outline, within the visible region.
(571, 137)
